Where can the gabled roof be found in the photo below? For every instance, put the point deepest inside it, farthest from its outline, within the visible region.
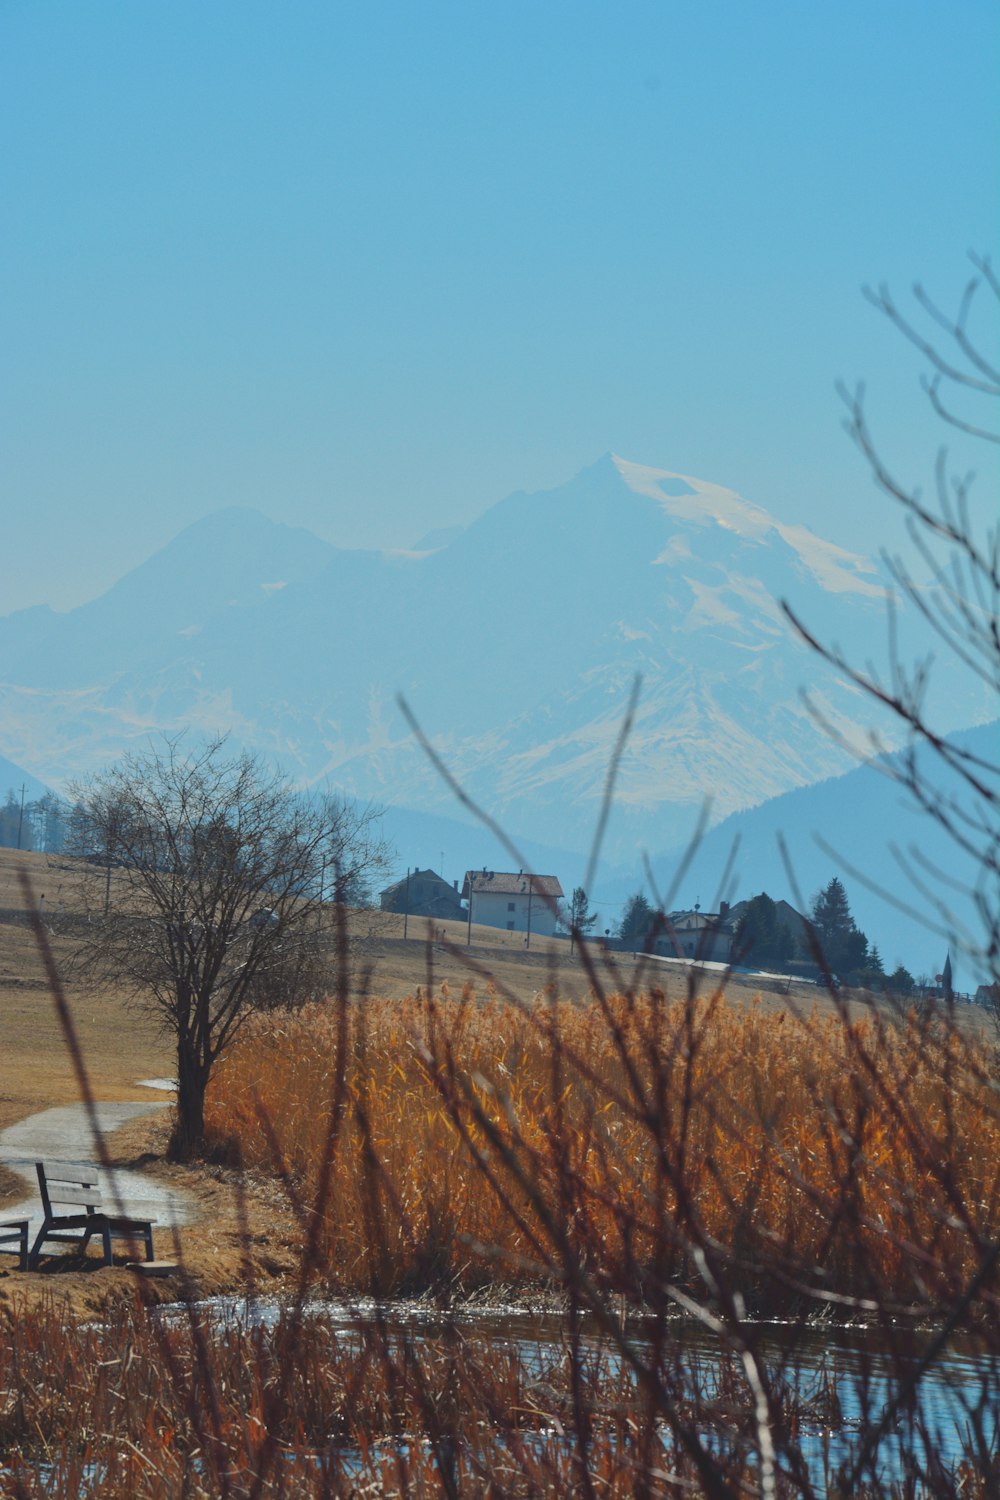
(400, 885)
(688, 921)
(506, 883)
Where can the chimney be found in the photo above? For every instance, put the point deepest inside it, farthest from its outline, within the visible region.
(723, 910)
(455, 884)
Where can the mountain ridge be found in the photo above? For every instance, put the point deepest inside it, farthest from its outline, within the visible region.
(515, 645)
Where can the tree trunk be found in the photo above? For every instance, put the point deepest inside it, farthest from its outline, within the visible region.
(188, 1137)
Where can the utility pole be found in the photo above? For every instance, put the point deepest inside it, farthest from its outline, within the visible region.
(531, 890)
(471, 879)
(406, 905)
(20, 821)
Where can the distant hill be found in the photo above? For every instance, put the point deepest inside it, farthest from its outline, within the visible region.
(863, 816)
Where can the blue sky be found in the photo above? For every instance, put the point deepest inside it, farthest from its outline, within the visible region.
(370, 267)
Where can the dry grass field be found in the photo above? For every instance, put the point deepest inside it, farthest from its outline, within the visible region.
(121, 1045)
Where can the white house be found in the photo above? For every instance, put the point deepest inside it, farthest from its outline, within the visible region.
(697, 934)
(518, 903)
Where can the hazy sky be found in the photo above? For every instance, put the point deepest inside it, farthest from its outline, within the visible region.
(369, 267)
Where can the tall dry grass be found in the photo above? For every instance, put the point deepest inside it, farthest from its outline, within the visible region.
(828, 1163)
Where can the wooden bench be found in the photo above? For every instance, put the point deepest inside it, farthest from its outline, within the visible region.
(15, 1232)
(70, 1185)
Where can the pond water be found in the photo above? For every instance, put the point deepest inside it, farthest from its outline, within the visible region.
(841, 1380)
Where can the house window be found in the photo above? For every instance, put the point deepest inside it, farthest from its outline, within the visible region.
(510, 927)
(510, 906)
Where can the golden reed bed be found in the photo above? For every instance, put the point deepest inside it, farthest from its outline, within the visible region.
(633, 1140)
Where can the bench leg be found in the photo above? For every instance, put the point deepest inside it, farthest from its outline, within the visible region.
(36, 1248)
(23, 1262)
(106, 1237)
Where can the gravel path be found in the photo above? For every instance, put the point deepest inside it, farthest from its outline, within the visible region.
(64, 1134)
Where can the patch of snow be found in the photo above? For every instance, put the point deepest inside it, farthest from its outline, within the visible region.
(709, 608)
(834, 568)
(678, 549)
(629, 633)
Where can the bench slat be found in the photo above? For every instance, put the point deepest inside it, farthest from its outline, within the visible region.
(87, 1196)
(68, 1171)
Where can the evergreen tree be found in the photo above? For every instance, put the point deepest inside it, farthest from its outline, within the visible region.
(843, 944)
(901, 981)
(637, 919)
(761, 935)
(580, 919)
(50, 820)
(872, 975)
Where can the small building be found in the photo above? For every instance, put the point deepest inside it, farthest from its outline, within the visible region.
(424, 894)
(696, 934)
(706, 935)
(517, 903)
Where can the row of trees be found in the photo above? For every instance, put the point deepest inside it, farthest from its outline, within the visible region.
(39, 824)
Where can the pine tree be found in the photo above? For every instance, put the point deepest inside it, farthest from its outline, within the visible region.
(761, 935)
(580, 919)
(637, 919)
(844, 946)
(901, 981)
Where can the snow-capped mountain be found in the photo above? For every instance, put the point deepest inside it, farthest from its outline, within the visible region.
(515, 643)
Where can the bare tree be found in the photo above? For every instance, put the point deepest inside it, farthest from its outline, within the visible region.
(953, 583)
(220, 873)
